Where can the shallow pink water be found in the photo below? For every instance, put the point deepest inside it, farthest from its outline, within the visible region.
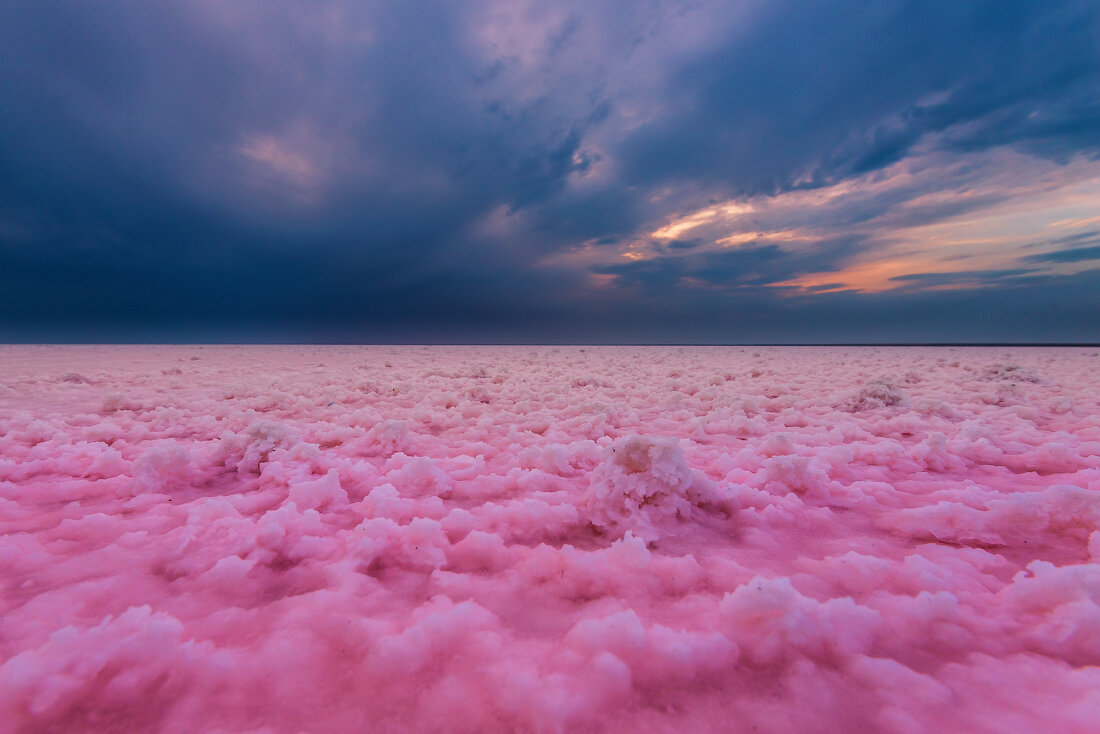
(384, 539)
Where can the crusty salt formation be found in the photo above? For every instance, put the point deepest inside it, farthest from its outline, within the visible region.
(875, 394)
(549, 539)
(643, 483)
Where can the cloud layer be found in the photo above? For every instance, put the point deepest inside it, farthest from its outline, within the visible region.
(490, 170)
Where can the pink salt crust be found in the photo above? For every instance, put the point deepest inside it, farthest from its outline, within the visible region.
(390, 539)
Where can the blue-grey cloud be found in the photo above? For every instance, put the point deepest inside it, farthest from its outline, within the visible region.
(818, 91)
(963, 277)
(731, 269)
(1072, 255)
(1071, 248)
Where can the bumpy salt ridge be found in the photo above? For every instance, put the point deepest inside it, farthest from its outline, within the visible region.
(285, 539)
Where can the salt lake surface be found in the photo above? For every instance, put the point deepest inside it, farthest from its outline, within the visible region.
(549, 539)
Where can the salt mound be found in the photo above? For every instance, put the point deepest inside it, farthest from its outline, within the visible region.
(875, 395)
(162, 469)
(645, 482)
(1012, 372)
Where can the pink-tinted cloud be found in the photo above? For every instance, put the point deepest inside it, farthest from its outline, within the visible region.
(281, 161)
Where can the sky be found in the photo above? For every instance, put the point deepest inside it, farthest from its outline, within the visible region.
(774, 171)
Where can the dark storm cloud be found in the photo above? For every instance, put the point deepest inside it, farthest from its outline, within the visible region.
(120, 165)
(835, 89)
(339, 169)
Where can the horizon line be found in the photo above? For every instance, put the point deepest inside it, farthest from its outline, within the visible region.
(548, 344)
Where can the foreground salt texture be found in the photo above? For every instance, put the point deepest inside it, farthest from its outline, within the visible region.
(275, 539)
